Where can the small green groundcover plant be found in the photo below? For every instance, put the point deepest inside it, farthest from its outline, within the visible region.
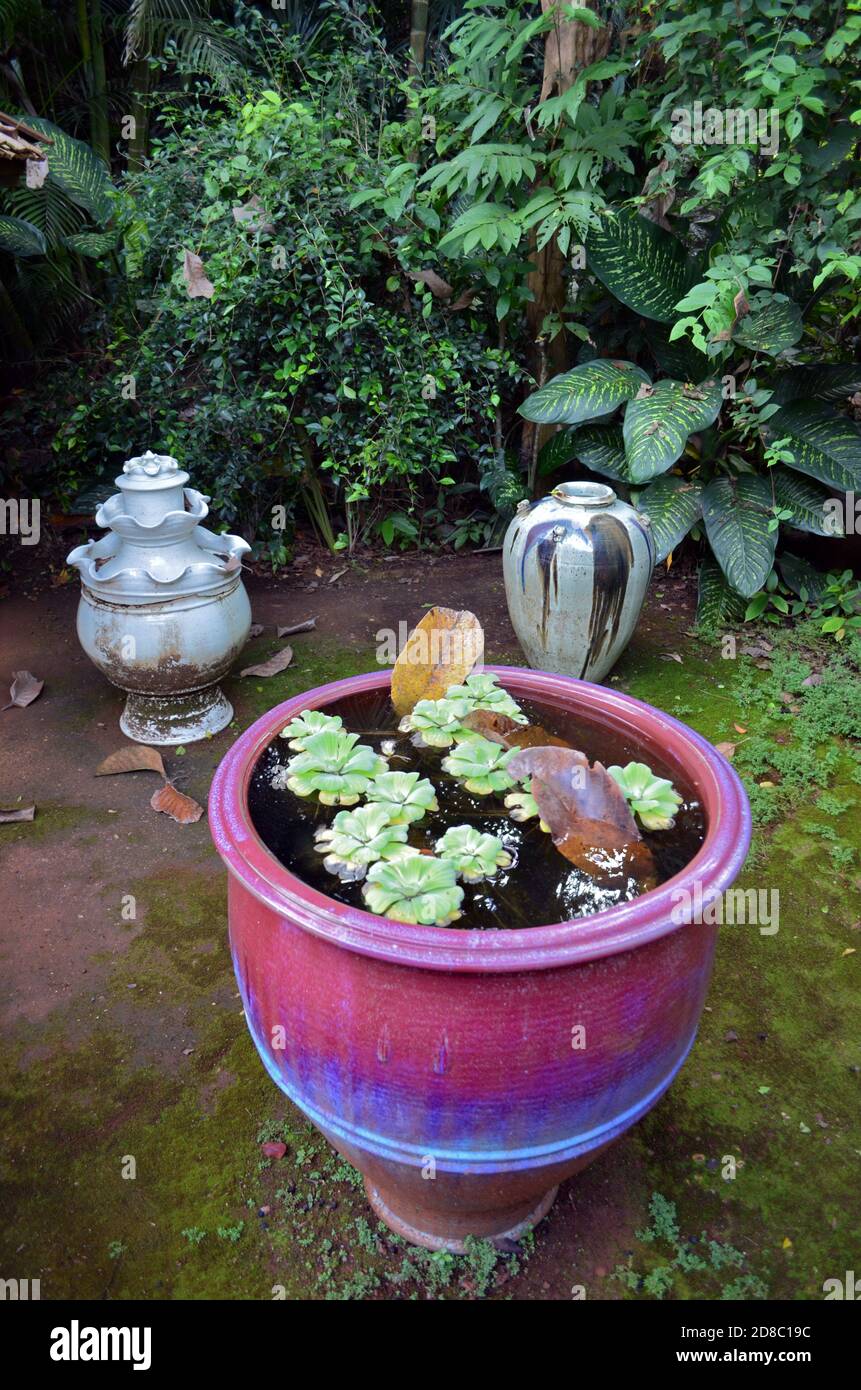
(370, 842)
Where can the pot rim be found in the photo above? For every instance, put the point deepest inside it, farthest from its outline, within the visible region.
(622, 928)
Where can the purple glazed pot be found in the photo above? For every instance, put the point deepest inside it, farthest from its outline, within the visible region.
(443, 1063)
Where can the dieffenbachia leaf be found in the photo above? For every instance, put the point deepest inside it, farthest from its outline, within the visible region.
(679, 358)
(602, 448)
(585, 393)
(806, 501)
(93, 244)
(20, 238)
(672, 505)
(770, 327)
(799, 574)
(659, 420)
(826, 445)
(736, 512)
(828, 382)
(717, 603)
(557, 452)
(81, 174)
(644, 266)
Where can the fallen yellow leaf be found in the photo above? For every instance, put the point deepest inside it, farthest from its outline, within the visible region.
(440, 652)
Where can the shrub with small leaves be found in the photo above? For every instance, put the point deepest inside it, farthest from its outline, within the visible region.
(419, 889)
(481, 765)
(358, 838)
(435, 722)
(305, 725)
(653, 799)
(407, 796)
(474, 855)
(334, 766)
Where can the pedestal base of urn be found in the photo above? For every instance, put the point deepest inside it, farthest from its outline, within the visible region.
(177, 718)
(437, 1231)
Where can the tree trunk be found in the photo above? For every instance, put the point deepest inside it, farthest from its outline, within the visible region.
(139, 86)
(99, 120)
(418, 35)
(568, 48)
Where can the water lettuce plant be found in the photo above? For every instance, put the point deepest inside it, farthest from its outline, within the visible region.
(406, 796)
(419, 889)
(654, 800)
(435, 722)
(308, 723)
(483, 692)
(335, 766)
(474, 855)
(358, 838)
(480, 765)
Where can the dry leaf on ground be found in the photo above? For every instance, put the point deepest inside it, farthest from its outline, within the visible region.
(24, 689)
(137, 757)
(726, 748)
(255, 630)
(440, 652)
(176, 804)
(25, 813)
(279, 662)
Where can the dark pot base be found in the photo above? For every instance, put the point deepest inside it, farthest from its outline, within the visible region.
(437, 1232)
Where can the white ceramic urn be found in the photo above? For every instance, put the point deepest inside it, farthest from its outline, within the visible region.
(163, 611)
(577, 565)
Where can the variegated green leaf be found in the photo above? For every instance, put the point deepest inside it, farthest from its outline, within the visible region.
(717, 604)
(801, 577)
(736, 515)
(557, 452)
(20, 238)
(80, 173)
(585, 393)
(641, 264)
(773, 326)
(659, 420)
(829, 382)
(602, 448)
(826, 445)
(672, 505)
(806, 501)
(93, 244)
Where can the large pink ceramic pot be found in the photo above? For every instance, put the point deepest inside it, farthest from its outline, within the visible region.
(448, 1065)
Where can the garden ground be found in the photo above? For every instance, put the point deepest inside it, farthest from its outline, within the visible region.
(125, 1039)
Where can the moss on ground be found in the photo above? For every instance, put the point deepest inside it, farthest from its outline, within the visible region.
(773, 1083)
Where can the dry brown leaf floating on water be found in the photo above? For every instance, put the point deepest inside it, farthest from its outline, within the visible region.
(181, 808)
(24, 689)
(500, 728)
(137, 757)
(585, 808)
(440, 652)
(24, 813)
(279, 662)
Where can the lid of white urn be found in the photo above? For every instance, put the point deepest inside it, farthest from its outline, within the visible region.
(151, 472)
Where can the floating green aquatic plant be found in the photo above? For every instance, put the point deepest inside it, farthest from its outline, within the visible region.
(305, 725)
(474, 855)
(654, 800)
(334, 767)
(435, 722)
(523, 806)
(483, 692)
(480, 765)
(406, 796)
(358, 838)
(419, 889)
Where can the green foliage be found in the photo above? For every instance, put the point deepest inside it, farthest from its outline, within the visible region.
(420, 889)
(696, 1256)
(654, 800)
(475, 855)
(335, 767)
